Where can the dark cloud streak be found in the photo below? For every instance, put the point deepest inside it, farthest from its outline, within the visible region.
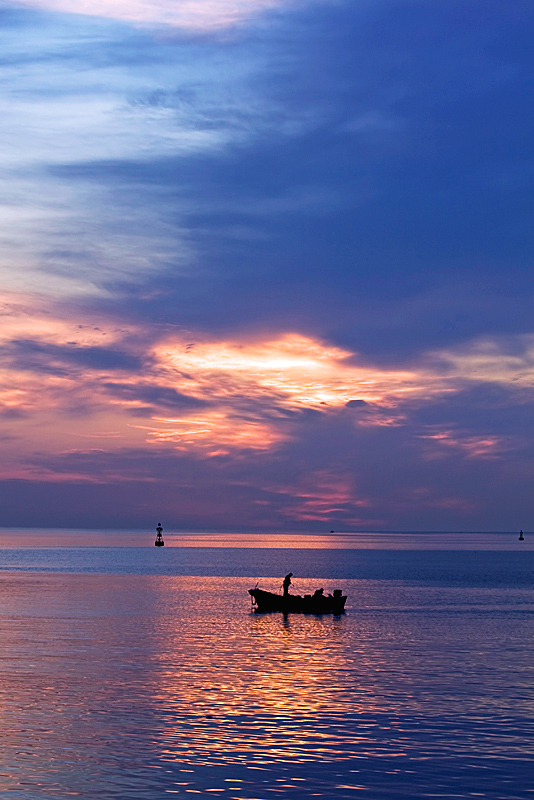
(45, 357)
(157, 395)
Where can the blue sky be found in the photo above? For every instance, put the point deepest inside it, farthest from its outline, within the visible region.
(267, 264)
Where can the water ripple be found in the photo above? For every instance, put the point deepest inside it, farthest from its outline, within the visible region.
(136, 686)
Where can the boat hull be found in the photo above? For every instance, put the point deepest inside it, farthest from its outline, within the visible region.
(295, 604)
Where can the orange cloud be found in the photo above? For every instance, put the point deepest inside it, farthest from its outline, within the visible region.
(255, 387)
(300, 371)
(211, 397)
(213, 427)
(68, 385)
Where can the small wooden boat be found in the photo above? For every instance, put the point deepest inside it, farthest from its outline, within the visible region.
(317, 603)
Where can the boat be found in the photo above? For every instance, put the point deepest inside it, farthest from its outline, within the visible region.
(159, 536)
(317, 603)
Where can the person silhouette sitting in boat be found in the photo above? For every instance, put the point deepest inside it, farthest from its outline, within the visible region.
(318, 593)
(287, 583)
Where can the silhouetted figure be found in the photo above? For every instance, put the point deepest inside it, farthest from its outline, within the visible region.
(521, 537)
(159, 538)
(318, 593)
(287, 583)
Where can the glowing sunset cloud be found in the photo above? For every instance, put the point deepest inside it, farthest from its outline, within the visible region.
(214, 428)
(50, 370)
(257, 387)
(90, 386)
(70, 387)
(299, 371)
(194, 15)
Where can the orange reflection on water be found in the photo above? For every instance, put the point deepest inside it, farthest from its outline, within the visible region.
(254, 691)
(120, 686)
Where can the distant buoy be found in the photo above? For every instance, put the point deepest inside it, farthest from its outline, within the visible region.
(521, 537)
(159, 537)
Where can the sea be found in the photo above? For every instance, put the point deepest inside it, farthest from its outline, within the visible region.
(134, 672)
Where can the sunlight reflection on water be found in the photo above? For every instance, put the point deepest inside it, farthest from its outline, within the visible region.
(134, 686)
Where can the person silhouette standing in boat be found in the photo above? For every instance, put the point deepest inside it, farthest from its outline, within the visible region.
(287, 583)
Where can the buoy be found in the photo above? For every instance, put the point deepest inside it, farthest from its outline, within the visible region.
(159, 538)
(521, 537)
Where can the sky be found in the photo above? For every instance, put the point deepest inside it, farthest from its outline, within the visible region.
(267, 264)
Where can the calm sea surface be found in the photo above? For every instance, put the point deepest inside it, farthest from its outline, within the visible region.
(128, 671)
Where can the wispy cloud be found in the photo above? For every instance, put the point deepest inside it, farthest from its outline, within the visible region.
(191, 15)
(445, 442)
(501, 360)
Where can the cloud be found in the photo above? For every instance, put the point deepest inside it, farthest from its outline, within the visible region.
(163, 396)
(217, 167)
(41, 356)
(358, 405)
(190, 15)
(210, 396)
(326, 496)
(500, 360)
(204, 397)
(102, 128)
(265, 469)
(447, 441)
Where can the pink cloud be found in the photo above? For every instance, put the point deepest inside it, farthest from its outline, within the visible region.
(470, 446)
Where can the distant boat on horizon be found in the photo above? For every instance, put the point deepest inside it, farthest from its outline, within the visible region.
(159, 536)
